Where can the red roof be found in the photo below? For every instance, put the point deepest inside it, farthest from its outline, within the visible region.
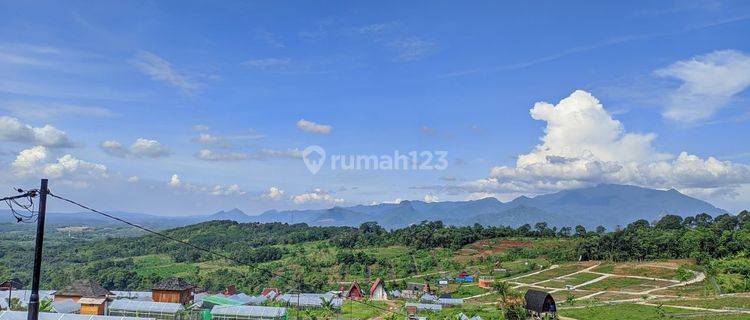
(355, 292)
(375, 285)
(266, 291)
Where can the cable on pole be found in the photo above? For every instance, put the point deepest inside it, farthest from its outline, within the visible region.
(222, 255)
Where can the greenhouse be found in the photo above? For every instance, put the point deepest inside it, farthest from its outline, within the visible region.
(22, 315)
(248, 313)
(146, 309)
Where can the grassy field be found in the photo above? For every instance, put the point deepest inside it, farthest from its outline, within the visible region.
(627, 311)
(713, 303)
(625, 284)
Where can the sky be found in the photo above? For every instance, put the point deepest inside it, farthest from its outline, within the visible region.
(190, 107)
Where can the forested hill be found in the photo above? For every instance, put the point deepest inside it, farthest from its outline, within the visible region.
(318, 257)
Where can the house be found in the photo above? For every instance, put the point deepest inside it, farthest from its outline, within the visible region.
(11, 284)
(93, 306)
(270, 291)
(415, 290)
(539, 303)
(428, 298)
(82, 289)
(377, 291)
(354, 292)
(173, 290)
(464, 277)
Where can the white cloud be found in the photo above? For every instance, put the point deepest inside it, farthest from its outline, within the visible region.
(141, 148)
(263, 154)
(209, 139)
(317, 195)
(133, 179)
(35, 161)
(14, 131)
(205, 154)
(431, 198)
(230, 190)
(270, 153)
(312, 127)
(274, 193)
(709, 82)
(583, 145)
(161, 70)
(175, 181)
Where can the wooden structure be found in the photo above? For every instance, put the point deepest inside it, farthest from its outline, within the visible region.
(377, 291)
(93, 306)
(539, 303)
(485, 283)
(82, 289)
(354, 292)
(173, 290)
(11, 284)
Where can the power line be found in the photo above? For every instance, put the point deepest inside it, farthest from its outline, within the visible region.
(29, 206)
(192, 245)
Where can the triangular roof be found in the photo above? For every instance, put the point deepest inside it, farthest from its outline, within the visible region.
(375, 285)
(173, 284)
(85, 288)
(354, 286)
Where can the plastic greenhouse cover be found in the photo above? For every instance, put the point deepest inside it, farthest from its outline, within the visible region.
(21, 315)
(145, 306)
(248, 311)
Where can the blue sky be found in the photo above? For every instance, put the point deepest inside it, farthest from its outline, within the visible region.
(190, 107)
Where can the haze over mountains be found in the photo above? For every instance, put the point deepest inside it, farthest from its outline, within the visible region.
(607, 204)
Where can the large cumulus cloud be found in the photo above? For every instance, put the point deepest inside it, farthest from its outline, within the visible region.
(584, 145)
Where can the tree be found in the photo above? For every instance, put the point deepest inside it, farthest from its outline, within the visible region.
(580, 231)
(502, 288)
(669, 222)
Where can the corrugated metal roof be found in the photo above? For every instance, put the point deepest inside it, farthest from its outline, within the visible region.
(22, 315)
(145, 306)
(248, 311)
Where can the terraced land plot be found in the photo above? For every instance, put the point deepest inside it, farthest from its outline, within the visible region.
(632, 311)
(699, 289)
(726, 303)
(640, 270)
(612, 296)
(553, 273)
(562, 296)
(626, 284)
(571, 280)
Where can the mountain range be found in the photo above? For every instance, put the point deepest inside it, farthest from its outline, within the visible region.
(608, 205)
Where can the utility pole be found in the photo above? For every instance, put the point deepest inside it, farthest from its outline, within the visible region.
(34, 299)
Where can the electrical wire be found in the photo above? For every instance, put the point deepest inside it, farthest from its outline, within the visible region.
(157, 233)
(13, 201)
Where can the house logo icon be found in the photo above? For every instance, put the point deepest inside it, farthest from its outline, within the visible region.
(314, 157)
